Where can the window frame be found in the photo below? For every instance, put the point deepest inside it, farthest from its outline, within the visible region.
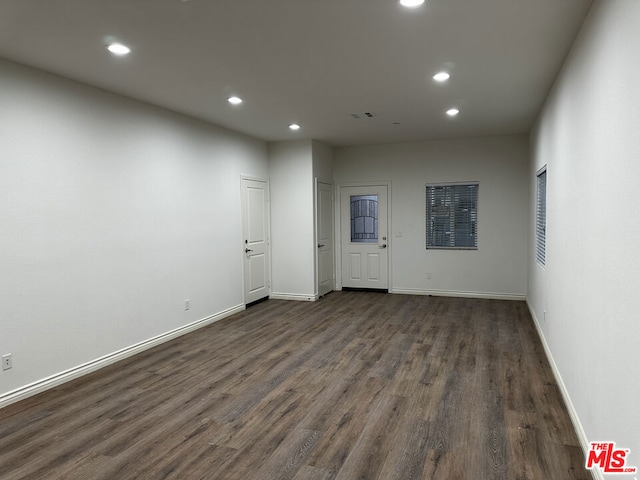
(429, 214)
(541, 223)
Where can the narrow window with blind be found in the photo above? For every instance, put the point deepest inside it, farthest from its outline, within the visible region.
(452, 216)
(541, 217)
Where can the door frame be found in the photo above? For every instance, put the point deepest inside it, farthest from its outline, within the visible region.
(338, 229)
(242, 231)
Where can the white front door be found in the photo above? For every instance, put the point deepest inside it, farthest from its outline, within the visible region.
(364, 233)
(255, 246)
(324, 215)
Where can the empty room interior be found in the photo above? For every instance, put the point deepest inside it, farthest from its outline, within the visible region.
(337, 239)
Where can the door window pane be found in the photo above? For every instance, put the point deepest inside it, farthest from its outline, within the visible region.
(364, 218)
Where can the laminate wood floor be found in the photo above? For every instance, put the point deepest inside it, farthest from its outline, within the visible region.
(355, 386)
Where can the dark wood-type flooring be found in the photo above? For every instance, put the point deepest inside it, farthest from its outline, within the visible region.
(355, 386)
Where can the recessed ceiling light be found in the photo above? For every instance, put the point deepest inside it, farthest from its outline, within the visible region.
(411, 3)
(294, 126)
(118, 49)
(235, 100)
(441, 77)
(452, 112)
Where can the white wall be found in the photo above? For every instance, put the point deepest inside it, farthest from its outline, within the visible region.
(322, 161)
(292, 220)
(112, 214)
(498, 268)
(588, 136)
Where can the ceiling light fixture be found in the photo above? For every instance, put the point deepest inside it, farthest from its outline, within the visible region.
(294, 126)
(452, 112)
(118, 49)
(411, 3)
(235, 100)
(441, 77)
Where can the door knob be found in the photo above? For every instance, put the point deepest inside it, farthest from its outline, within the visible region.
(320, 245)
(247, 250)
(384, 245)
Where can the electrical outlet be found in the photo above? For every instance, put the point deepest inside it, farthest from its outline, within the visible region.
(428, 275)
(186, 304)
(7, 363)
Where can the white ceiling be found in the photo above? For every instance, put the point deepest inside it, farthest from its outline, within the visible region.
(313, 62)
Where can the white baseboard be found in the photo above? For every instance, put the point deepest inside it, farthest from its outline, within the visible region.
(575, 420)
(75, 372)
(293, 296)
(448, 293)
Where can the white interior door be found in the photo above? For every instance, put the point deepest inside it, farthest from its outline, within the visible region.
(255, 222)
(324, 215)
(364, 233)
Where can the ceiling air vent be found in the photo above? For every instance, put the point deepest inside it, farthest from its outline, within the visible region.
(358, 116)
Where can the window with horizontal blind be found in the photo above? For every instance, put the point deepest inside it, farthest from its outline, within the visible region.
(452, 216)
(541, 217)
